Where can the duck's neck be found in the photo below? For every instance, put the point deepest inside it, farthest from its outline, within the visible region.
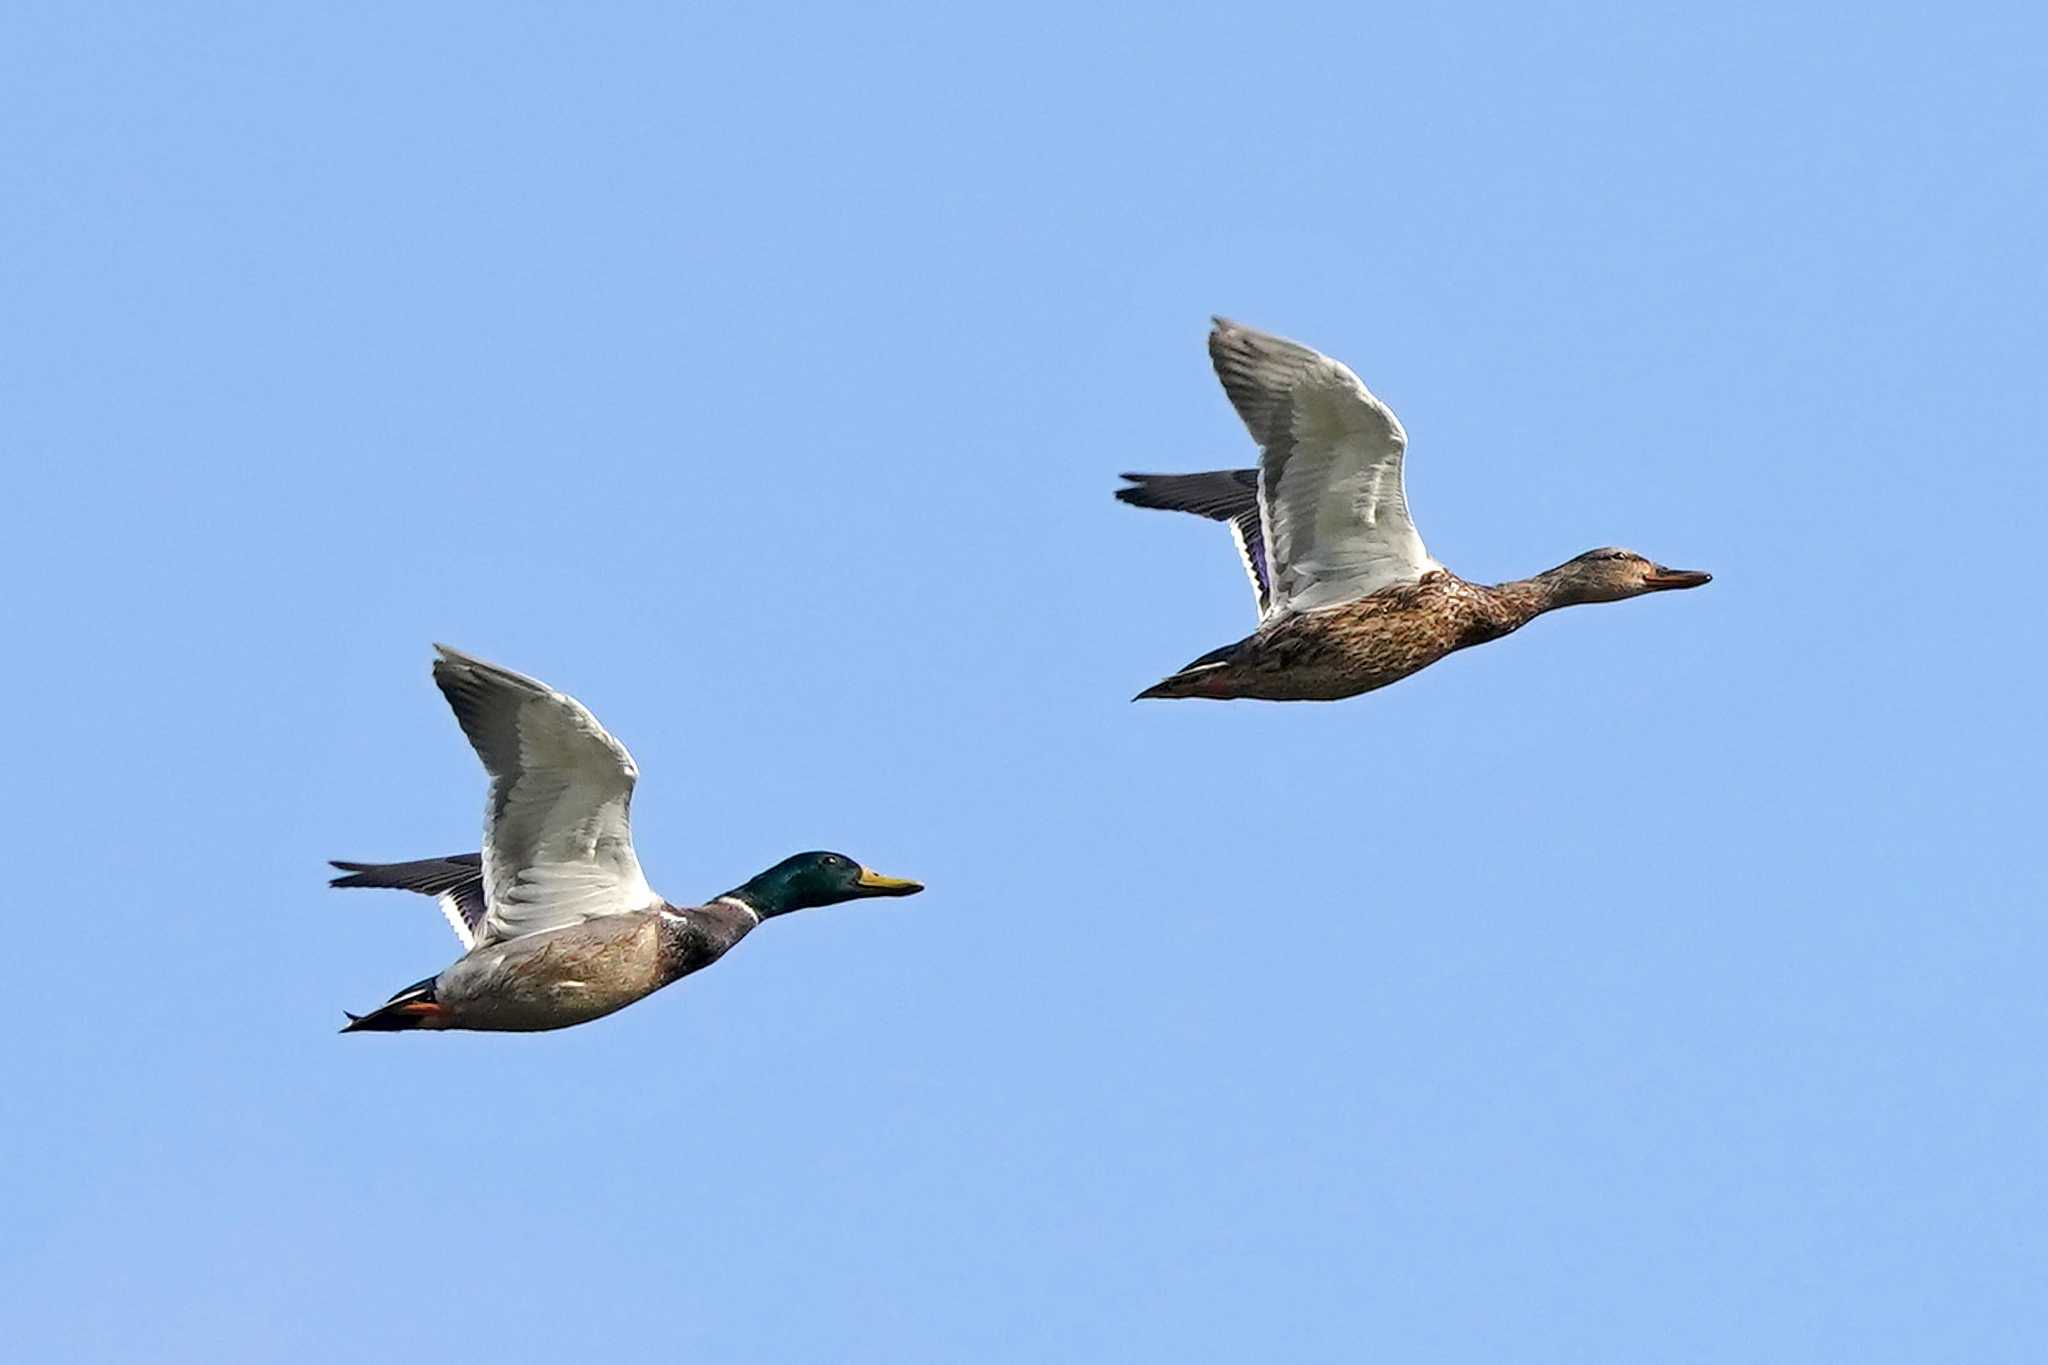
(696, 937)
(767, 895)
(733, 900)
(1523, 600)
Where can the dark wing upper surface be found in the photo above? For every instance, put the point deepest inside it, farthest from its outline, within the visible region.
(455, 882)
(1226, 495)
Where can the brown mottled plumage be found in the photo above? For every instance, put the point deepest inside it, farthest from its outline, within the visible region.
(1342, 651)
(1349, 599)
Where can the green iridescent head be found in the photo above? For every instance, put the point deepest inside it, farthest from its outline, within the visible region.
(807, 880)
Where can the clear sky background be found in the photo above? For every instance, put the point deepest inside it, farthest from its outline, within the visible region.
(1663, 983)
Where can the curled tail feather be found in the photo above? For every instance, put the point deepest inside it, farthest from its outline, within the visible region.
(412, 1008)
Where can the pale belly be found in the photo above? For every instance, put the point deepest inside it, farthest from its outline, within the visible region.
(553, 980)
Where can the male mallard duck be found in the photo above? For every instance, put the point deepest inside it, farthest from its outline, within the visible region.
(559, 923)
(1348, 598)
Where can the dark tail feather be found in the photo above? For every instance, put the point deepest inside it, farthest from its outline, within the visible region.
(412, 1008)
(1192, 680)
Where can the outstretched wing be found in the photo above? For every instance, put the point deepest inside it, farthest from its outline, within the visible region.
(558, 838)
(1335, 513)
(456, 883)
(1230, 496)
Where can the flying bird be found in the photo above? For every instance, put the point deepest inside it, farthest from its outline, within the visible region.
(558, 923)
(1348, 598)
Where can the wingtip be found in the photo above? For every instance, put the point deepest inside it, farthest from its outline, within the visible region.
(449, 655)
(352, 873)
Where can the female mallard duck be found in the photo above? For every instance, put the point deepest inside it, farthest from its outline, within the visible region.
(560, 926)
(1348, 598)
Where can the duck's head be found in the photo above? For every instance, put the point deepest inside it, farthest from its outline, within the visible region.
(808, 880)
(1611, 573)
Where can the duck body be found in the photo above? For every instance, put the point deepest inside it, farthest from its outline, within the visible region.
(570, 975)
(1342, 651)
(559, 924)
(1349, 598)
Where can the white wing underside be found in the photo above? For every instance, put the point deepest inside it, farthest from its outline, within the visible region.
(1251, 570)
(558, 838)
(1331, 499)
(451, 910)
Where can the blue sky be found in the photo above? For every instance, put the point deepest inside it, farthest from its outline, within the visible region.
(1660, 984)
